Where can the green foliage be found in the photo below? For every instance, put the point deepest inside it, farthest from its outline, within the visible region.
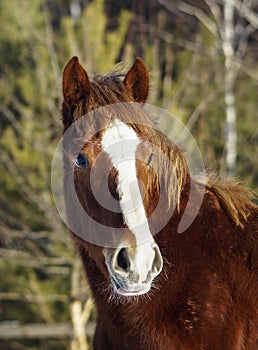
(30, 88)
(89, 39)
(246, 101)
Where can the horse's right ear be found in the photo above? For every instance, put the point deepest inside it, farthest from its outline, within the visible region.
(76, 84)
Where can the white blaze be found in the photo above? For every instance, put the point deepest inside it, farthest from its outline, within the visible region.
(120, 143)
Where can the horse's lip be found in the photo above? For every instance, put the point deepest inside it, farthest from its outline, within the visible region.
(128, 292)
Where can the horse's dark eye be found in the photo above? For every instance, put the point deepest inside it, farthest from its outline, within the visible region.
(150, 158)
(81, 161)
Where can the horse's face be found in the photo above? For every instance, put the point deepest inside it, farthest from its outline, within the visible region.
(106, 175)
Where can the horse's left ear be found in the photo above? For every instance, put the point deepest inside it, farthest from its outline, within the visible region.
(137, 81)
(76, 84)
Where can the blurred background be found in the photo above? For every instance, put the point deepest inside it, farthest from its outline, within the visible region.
(202, 56)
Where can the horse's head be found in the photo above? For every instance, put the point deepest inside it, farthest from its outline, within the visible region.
(113, 174)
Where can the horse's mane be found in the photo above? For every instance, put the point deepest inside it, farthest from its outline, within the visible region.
(234, 198)
(108, 90)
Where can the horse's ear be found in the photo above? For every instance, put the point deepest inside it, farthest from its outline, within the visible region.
(76, 84)
(137, 81)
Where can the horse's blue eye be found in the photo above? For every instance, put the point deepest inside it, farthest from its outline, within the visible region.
(150, 159)
(81, 161)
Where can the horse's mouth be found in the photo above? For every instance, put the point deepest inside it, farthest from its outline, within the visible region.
(128, 292)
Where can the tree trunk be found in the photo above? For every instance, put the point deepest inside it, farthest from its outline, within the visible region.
(80, 312)
(229, 80)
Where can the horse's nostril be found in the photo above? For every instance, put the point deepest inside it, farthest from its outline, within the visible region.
(158, 261)
(123, 260)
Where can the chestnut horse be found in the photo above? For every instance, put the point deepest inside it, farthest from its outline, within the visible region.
(154, 288)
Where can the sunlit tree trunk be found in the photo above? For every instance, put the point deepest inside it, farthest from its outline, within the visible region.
(229, 96)
(80, 312)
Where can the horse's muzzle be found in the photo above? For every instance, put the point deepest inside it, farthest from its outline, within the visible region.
(133, 269)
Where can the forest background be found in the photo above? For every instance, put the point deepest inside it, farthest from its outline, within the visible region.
(202, 57)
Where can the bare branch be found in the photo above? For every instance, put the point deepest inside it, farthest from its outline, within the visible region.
(44, 306)
(246, 11)
(15, 123)
(44, 205)
(34, 298)
(18, 256)
(14, 330)
(192, 11)
(88, 307)
(11, 118)
(200, 108)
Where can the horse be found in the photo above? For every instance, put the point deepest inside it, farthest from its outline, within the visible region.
(154, 288)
